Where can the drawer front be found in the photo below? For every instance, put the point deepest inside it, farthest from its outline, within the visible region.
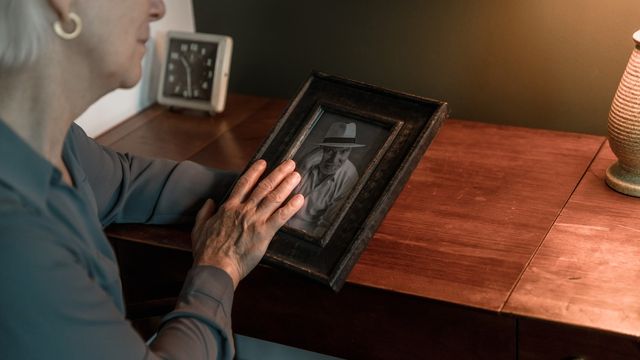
(365, 323)
(546, 340)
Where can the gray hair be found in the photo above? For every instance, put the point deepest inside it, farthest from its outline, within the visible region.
(24, 29)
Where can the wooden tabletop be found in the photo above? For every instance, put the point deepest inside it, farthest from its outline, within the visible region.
(587, 270)
(157, 132)
(496, 218)
(474, 212)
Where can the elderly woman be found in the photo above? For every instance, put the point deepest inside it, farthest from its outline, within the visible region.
(61, 293)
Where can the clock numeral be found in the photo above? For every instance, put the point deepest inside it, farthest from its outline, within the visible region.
(210, 75)
(175, 56)
(184, 47)
(205, 85)
(171, 78)
(177, 89)
(203, 51)
(196, 92)
(209, 62)
(171, 67)
(194, 47)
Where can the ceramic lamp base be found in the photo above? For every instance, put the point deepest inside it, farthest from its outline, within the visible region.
(623, 181)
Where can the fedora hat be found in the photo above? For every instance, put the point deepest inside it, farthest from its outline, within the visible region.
(341, 135)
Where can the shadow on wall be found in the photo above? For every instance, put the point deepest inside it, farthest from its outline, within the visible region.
(547, 63)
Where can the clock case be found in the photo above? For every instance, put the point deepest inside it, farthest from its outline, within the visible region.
(216, 103)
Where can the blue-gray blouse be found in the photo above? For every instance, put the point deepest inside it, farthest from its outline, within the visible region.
(60, 291)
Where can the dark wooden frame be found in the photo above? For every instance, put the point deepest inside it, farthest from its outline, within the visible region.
(413, 123)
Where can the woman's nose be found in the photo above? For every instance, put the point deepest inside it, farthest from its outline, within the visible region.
(156, 10)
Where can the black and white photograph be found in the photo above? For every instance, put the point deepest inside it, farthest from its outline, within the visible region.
(331, 161)
(354, 146)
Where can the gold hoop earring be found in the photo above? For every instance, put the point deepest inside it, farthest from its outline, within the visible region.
(57, 27)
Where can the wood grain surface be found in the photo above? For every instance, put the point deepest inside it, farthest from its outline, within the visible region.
(474, 212)
(588, 269)
(233, 149)
(467, 223)
(179, 135)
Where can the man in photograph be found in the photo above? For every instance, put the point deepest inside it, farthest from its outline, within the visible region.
(328, 176)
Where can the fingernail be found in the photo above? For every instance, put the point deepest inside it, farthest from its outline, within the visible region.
(289, 164)
(297, 200)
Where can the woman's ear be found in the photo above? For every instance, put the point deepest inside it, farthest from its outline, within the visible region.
(62, 8)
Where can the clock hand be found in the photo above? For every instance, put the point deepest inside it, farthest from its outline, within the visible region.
(188, 68)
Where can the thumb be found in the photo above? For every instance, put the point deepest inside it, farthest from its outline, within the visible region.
(206, 211)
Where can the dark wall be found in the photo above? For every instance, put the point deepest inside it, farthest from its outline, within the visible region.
(540, 63)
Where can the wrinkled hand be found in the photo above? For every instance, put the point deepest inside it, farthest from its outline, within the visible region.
(236, 237)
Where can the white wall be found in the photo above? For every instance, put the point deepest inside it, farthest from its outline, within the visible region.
(117, 106)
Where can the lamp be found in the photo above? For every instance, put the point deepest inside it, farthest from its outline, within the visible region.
(624, 128)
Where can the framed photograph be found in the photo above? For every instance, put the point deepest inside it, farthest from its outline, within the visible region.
(355, 146)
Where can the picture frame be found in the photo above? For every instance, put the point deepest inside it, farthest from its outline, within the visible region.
(355, 146)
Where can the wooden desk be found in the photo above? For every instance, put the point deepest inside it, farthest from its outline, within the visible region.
(502, 236)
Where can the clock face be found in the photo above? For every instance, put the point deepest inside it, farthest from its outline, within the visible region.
(190, 69)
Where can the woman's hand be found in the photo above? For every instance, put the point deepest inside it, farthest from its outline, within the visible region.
(236, 237)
